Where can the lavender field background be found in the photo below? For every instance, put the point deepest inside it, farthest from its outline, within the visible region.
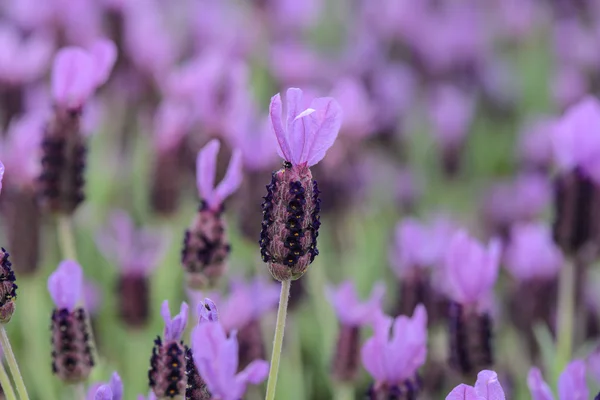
(460, 115)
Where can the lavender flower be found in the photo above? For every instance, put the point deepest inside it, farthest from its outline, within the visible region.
(167, 374)
(535, 143)
(352, 315)
(487, 387)
(571, 383)
(71, 355)
(216, 358)
(393, 360)
(112, 390)
(205, 246)
(291, 207)
(471, 271)
(76, 74)
(136, 253)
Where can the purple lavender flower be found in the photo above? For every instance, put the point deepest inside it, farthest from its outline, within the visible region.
(112, 390)
(393, 360)
(167, 375)
(572, 383)
(358, 111)
(205, 246)
(136, 252)
(291, 208)
(72, 355)
(216, 358)
(531, 253)
(23, 60)
(352, 314)
(535, 143)
(487, 387)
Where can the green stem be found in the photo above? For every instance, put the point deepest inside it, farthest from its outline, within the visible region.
(66, 240)
(344, 391)
(5, 384)
(566, 310)
(12, 364)
(278, 340)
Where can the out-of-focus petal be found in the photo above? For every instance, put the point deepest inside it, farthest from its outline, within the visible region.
(73, 77)
(538, 388)
(275, 111)
(232, 179)
(104, 54)
(323, 127)
(65, 285)
(488, 386)
(463, 392)
(206, 165)
(572, 383)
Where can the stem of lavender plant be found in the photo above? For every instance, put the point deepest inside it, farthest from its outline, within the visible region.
(278, 340)
(5, 384)
(12, 364)
(69, 251)
(344, 391)
(566, 310)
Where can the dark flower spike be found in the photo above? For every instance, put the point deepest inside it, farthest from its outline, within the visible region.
(167, 374)
(205, 244)
(288, 239)
(8, 288)
(72, 357)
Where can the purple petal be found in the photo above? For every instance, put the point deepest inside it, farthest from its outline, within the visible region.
(65, 285)
(73, 79)
(572, 383)
(537, 387)
(488, 386)
(206, 169)
(463, 392)
(92, 389)
(174, 328)
(232, 179)
(104, 393)
(207, 311)
(104, 53)
(255, 372)
(322, 129)
(296, 124)
(275, 111)
(171, 123)
(1, 174)
(116, 385)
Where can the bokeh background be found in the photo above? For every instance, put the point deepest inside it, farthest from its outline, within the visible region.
(447, 112)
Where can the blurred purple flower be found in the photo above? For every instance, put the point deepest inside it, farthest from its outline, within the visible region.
(76, 73)
(535, 142)
(206, 169)
(487, 387)
(471, 269)
(257, 143)
(20, 148)
(532, 253)
(359, 113)
(216, 357)
(569, 85)
(92, 296)
(348, 307)
(174, 327)
(207, 311)
(135, 251)
(392, 359)
(292, 15)
(414, 247)
(23, 60)
(292, 62)
(79, 21)
(172, 121)
(393, 88)
(575, 44)
(572, 383)
(309, 132)
(65, 285)
(113, 390)
(575, 140)
(451, 111)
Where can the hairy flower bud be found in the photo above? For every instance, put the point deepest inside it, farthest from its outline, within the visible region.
(288, 239)
(72, 357)
(167, 374)
(8, 288)
(196, 387)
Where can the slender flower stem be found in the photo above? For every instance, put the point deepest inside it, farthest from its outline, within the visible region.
(12, 364)
(566, 311)
(65, 238)
(278, 340)
(5, 384)
(344, 391)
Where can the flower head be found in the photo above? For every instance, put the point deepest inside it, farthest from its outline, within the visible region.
(113, 390)
(487, 387)
(451, 112)
(535, 143)
(175, 327)
(575, 140)
(396, 358)
(135, 251)
(532, 253)
(471, 269)
(348, 307)
(216, 357)
(206, 166)
(77, 72)
(20, 147)
(171, 123)
(309, 131)
(571, 383)
(23, 60)
(65, 285)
